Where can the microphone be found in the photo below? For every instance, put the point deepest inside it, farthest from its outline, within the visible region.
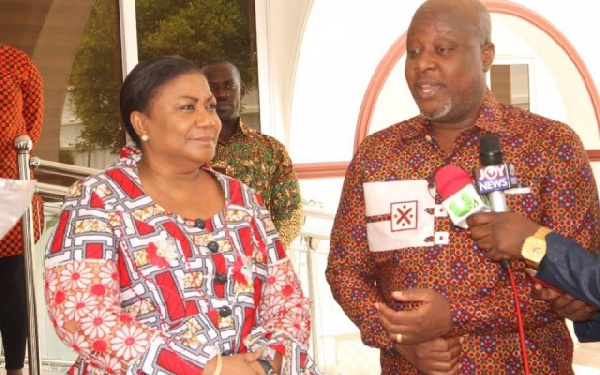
(494, 176)
(460, 199)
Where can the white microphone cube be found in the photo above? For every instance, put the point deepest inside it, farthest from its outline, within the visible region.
(463, 203)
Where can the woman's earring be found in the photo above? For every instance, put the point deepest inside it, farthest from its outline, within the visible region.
(144, 137)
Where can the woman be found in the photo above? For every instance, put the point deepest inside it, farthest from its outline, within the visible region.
(162, 265)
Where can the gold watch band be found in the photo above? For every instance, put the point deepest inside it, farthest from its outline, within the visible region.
(534, 247)
(542, 232)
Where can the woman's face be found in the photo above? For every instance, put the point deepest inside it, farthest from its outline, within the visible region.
(182, 124)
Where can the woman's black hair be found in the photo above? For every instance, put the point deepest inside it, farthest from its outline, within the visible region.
(142, 83)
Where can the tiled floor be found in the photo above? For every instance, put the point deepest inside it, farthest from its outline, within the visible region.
(586, 360)
(45, 370)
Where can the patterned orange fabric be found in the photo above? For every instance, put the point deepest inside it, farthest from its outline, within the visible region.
(262, 162)
(21, 113)
(373, 255)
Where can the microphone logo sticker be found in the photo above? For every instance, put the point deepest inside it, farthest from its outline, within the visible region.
(404, 215)
(461, 207)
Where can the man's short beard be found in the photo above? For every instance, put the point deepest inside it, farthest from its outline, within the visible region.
(440, 112)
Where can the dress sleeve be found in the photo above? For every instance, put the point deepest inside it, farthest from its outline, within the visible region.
(350, 274)
(283, 311)
(285, 199)
(82, 286)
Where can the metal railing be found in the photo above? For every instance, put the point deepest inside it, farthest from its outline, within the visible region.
(60, 169)
(23, 145)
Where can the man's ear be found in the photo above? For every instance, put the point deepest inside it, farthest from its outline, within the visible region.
(488, 52)
(137, 120)
(242, 91)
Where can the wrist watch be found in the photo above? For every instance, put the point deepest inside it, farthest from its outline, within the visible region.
(266, 365)
(534, 247)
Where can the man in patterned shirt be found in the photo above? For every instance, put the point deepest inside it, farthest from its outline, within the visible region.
(418, 287)
(256, 159)
(21, 113)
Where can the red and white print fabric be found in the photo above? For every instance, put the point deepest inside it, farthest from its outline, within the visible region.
(133, 288)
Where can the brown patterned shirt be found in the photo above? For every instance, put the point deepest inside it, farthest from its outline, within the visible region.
(389, 236)
(21, 113)
(261, 162)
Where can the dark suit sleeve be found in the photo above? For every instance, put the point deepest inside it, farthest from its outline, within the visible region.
(588, 331)
(572, 269)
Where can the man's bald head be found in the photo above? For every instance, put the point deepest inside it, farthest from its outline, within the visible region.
(470, 13)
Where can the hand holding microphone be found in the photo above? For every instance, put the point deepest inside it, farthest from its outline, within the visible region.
(501, 234)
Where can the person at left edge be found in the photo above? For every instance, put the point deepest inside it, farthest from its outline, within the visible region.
(559, 261)
(160, 265)
(21, 113)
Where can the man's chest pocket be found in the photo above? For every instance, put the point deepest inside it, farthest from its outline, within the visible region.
(525, 199)
(400, 214)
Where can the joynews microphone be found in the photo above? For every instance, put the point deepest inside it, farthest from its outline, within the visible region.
(494, 176)
(460, 197)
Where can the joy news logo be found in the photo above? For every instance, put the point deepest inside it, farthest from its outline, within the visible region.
(495, 178)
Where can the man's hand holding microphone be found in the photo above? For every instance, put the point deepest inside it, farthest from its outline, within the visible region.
(503, 236)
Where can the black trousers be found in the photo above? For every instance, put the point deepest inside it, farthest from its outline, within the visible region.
(13, 311)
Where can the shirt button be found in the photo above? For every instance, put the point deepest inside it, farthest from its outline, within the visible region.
(428, 138)
(220, 278)
(224, 311)
(213, 246)
(200, 223)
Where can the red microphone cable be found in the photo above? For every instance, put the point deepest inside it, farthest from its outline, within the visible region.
(449, 180)
(520, 323)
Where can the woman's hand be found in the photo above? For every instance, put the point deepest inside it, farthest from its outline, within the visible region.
(237, 364)
(275, 363)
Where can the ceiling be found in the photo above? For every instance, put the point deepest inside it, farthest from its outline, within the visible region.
(21, 22)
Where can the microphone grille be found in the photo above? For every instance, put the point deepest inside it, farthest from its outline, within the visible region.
(490, 151)
(450, 179)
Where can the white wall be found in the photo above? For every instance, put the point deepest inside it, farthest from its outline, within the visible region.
(280, 27)
(342, 45)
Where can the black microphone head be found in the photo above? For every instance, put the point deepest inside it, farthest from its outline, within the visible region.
(490, 151)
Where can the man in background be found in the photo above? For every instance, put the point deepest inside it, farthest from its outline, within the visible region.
(21, 113)
(256, 159)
